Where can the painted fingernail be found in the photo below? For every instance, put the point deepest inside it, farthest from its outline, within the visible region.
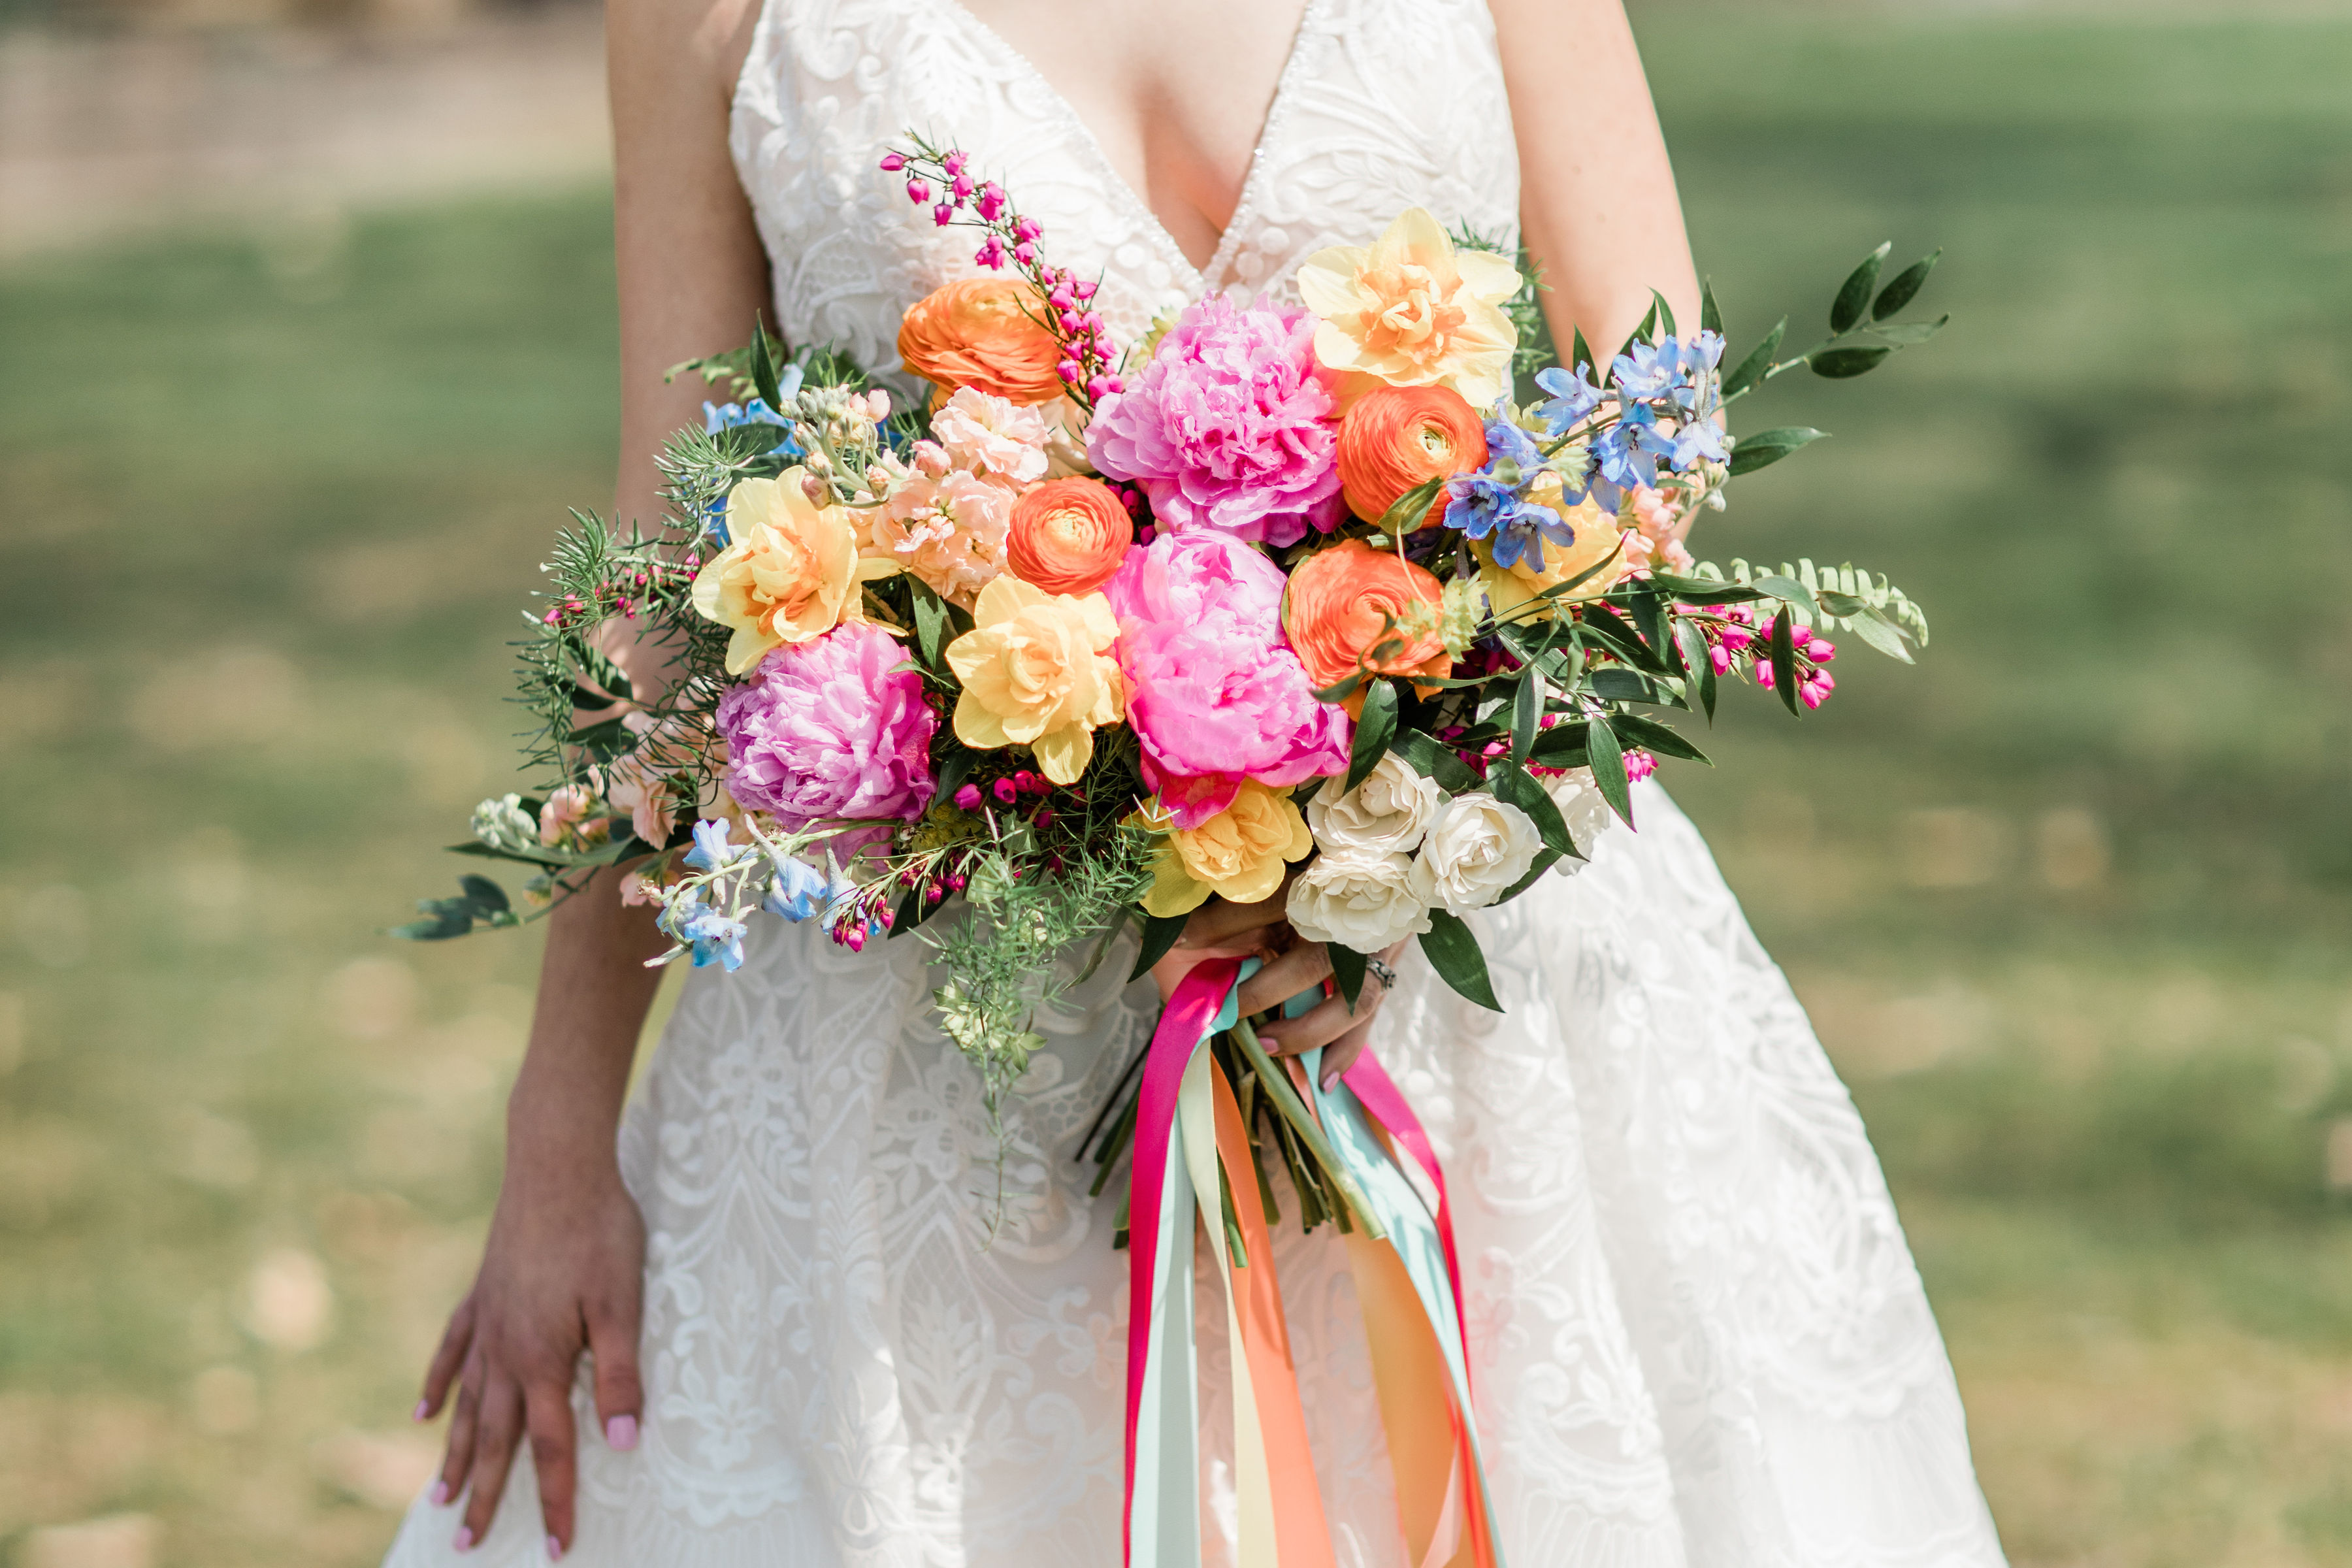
(554, 1550)
(465, 1542)
(423, 1410)
(621, 1434)
(1330, 1081)
(1269, 1041)
(440, 1494)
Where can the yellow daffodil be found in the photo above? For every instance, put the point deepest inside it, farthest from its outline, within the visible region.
(789, 573)
(1037, 672)
(1412, 311)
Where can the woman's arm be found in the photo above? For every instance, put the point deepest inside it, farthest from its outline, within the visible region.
(562, 1270)
(1597, 202)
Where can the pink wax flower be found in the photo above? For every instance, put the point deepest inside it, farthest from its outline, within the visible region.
(1213, 691)
(1231, 426)
(832, 729)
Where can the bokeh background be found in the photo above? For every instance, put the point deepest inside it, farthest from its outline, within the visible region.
(306, 337)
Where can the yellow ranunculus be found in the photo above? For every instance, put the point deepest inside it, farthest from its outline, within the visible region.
(1509, 587)
(1414, 311)
(1037, 672)
(1238, 853)
(789, 573)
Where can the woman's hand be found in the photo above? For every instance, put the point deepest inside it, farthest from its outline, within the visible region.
(1340, 1030)
(563, 1272)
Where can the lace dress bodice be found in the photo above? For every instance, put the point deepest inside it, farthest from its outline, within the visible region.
(1383, 104)
(1697, 1339)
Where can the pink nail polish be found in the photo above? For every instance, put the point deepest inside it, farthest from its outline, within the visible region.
(421, 1412)
(621, 1434)
(1330, 1081)
(440, 1494)
(465, 1542)
(554, 1550)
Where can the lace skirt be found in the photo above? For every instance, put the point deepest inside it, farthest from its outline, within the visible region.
(1697, 1334)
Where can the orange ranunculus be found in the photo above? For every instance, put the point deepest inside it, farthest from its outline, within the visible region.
(1394, 437)
(1068, 535)
(980, 333)
(1344, 602)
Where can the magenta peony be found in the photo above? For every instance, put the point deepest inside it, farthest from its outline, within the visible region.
(831, 728)
(1230, 427)
(1214, 693)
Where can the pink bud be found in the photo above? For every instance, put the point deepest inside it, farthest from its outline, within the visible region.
(816, 490)
(1821, 650)
(878, 404)
(1068, 370)
(918, 191)
(1070, 320)
(893, 161)
(941, 214)
(954, 161)
(1061, 299)
(1028, 782)
(1116, 383)
(962, 187)
(932, 459)
(1086, 290)
(1005, 790)
(1024, 253)
(968, 797)
(1027, 231)
(1763, 672)
(956, 882)
(1099, 388)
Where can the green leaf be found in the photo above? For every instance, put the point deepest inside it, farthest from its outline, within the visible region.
(1906, 286)
(444, 919)
(1872, 629)
(1583, 354)
(1607, 760)
(1702, 666)
(1543, 862)
(1621, 686)
(1841, 364)
(1642, 333)
(930, 620)
(954, 768)
(1788, 590)
(1652, 735)
(1374, 727)
(1340, 691)
(485, 897)
(763, 366)
(1347, 971)
(1710, 315)
(1432, 760)
(1909, 333)
(1516, 786)
(1453, 952)
(1664, 315)
(1405, 513)
(1784, 661)
(1766, 447)
(1159, 934)
(1853, 298)
(1758, 361)
(1526, 713)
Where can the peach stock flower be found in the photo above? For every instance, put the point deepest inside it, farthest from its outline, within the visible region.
(1037, 672)
(1240, 853)
(1068, 535)
(1414, 311)
(991, 438)
(789, 574)
(1394, 437)
(949, 532)
(1508, 588)
(1345, 602)
(979, 333)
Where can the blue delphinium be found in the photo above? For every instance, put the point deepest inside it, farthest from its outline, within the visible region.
(714, 522)
(1574, 399)
(1507, 442)
(718, 416)
(799, 891)
(716, 939)
(1483, 507)
(711, 852)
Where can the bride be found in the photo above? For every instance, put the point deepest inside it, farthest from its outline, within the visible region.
(763, 1333)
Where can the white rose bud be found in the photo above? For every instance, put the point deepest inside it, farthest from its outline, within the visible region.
(1585, 810)
(1358, 901)
(1387, 814)
(1478, 847)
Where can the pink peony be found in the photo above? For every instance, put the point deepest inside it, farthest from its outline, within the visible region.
(1231, 426)
(831, 728)
(1213, 691)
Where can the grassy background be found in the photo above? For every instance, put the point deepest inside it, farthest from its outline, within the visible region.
(2069, 902)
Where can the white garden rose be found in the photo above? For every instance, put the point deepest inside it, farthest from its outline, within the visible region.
(1387, 814)
(1478, 848)
(1358, 901)
(1585, 810)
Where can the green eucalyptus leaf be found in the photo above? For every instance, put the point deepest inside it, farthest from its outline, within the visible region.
(1159, 934)
(1516, 786)
(1701, 680)
(1526, 713)
(1906, 286)
(444, 919)
(1751, 370)
(1664, 315)
(1784, 661)
(1873, 630)
(1842, 364)
(1786, 589)
(485, 897)
(763, 366)
(1909, 333)
(1606, 758)
(1453, 952)
(1766, 447)
(1347, 971)
(1652, 735)
(1404, 514)
(1710, 315)
(1583, 354)
(1853, 298)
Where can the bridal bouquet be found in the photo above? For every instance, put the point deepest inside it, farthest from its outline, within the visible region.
(1090, 632)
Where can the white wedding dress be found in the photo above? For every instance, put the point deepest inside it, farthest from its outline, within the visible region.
(1698, 1335)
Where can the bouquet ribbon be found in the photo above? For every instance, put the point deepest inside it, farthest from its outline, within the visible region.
(1192, 1161)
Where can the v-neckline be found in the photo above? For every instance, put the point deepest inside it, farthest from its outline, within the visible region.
(1121, 188)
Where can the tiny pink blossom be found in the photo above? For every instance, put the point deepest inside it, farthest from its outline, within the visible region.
(1231, 426)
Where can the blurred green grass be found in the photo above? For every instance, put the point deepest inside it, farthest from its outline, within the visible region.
(2069, 902)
